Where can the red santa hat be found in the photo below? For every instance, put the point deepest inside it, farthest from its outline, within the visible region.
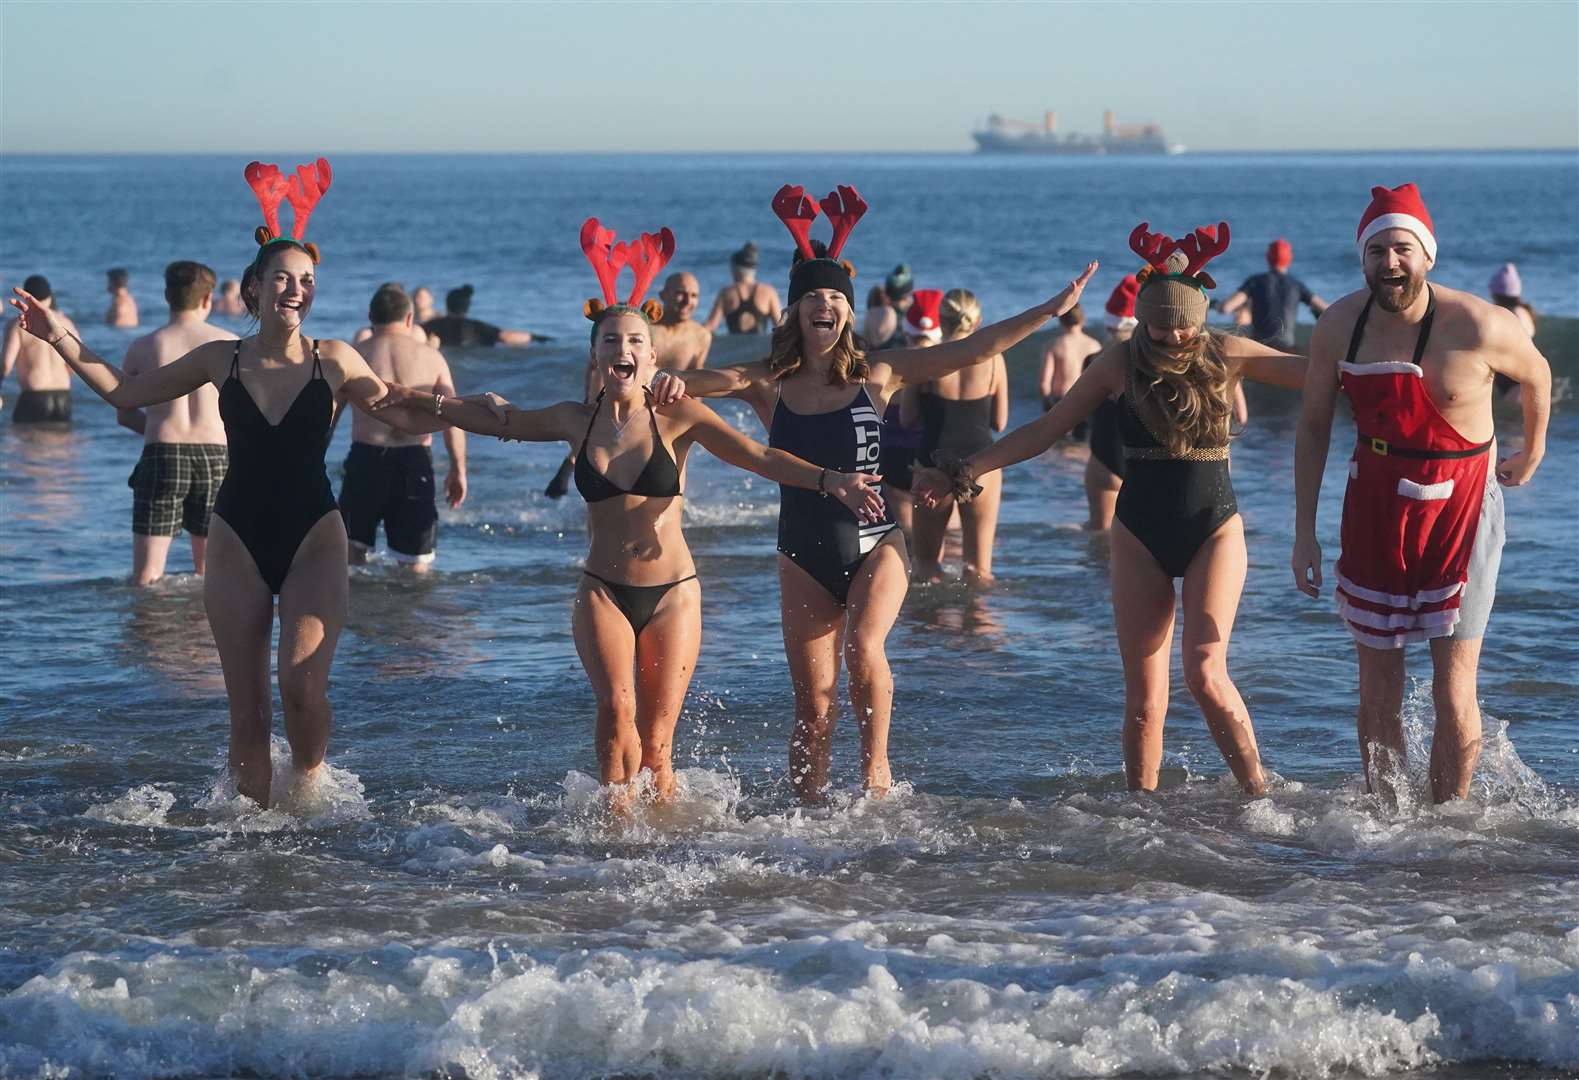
(1399, 208)
(1121, 304)
(923, 316)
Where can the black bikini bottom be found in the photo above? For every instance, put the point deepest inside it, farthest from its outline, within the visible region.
(637, 602)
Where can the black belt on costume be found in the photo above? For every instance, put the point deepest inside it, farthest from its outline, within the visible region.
(1382, 448)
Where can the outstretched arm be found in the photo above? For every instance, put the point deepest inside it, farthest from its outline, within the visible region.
(1096, 384)
(108, 381)
(924, 365)
(857, 491)
(1256, 361)
(735, 381)
(1234, 303)
(1311, 442)
(1513, 353)
(490, 414)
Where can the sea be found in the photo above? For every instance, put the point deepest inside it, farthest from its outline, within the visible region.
(457, 901)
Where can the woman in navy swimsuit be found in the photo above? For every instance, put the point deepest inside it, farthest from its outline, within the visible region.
(638, 614)
(276, 530)
(820, 396)
(1177, 518)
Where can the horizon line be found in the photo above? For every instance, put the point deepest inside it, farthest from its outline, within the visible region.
(820, 152)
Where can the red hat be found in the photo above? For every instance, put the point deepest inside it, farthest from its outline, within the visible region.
(923, 318)
(1121, 304)
(1279, 253)
(1400, 208)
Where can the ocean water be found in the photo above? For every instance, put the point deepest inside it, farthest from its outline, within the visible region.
(457, 902)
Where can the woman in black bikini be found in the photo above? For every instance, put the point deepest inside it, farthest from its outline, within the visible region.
(820, 396)
(1176, 514)
(276, 530)
(638, 616)
(959, 414)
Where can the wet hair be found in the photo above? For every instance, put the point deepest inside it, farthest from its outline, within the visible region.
(390, 304)
(38, 285)
(876, 298)
(187, 284)
(117, 277)
(1183, 395)
(958, 308)
(459, 301)
(1075, 316)
(785, 356)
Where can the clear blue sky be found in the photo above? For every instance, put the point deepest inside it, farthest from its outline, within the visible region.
(245, 78)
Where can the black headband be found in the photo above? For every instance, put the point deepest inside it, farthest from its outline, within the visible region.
(812, 274)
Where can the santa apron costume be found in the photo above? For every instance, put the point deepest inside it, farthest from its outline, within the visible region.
(1412, 512)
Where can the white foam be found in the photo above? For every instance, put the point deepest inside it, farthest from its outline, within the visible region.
(145, 805)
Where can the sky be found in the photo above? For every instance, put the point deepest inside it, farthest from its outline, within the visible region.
(789, 77)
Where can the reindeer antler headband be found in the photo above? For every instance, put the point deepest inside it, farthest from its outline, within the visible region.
(1173, 283)
(819, 269)
(302, 190)
(646, 255)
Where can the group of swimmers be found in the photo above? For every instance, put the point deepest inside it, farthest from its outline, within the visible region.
(1422, 523)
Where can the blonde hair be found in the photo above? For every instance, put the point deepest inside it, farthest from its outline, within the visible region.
(960, 311)
(1181, 395)
(785, 356)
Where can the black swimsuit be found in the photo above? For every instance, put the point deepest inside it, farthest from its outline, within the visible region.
(659, 479)
(747, 307)
(817, 533)
(962, 427)
(276, 489)
(1173, 505)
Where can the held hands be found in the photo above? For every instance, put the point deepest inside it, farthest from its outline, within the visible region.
(1515, 470)
(498, 406)
(1307, 565)
(396, 395)
(36, 317)
(1071, 294)
(666, 388)
(929, 487)
(954, 478)
(860, 492)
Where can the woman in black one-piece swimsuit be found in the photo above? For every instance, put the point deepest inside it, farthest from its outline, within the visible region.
(276, 530)
(841, 582)
(1176, 514)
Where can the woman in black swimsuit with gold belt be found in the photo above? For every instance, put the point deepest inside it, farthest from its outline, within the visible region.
(276, 529)
(638, 614)
(1176, 517)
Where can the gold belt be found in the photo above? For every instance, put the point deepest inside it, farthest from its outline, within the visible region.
(1162, 453)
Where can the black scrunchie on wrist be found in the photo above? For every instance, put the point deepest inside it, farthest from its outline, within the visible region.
(960, 474)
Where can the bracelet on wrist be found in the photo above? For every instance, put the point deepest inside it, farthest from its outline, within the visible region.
(438, 404)
(822, 483)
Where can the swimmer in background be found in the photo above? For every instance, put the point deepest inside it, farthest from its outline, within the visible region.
(1064, 357)
(889, 332)
(1273, 299)
(746, 305)
(415, 331)
(227, 300)
(681, 341)
(876, 323)
(42, 376)
(184, 457)
(1507, 292)
(122, 312)
(388, 473)
(902, 418)
(457, 329)
(422, 305)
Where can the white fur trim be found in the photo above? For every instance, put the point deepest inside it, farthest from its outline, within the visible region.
(1397, 620)
(1120, 322)
(1354, 468)
(413, 560)
(1425, 492)
(1400, 221)
(1389, 367)
(1396, 641)
(933, 335)
(1425, 596)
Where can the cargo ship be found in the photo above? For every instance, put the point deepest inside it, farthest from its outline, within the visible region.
(1003, 136)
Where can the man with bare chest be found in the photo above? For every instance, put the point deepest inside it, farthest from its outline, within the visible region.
(681, 341)
(44, 378)
(1422, 526)
(184, 456)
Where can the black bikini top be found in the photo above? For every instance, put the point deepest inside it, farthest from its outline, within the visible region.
(659, 478)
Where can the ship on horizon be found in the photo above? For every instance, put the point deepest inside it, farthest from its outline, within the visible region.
(1004, 136)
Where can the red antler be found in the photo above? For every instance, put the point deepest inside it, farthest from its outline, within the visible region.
(1153, 247)
(844, 208)
(306, 188)
(646, 256)
(270, 188)
(797, 212)
(597, 245)
(1204, 245)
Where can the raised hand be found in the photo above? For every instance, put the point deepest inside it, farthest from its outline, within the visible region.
(1071, 293)
(666, 388)
(861, 493)
(37, 317)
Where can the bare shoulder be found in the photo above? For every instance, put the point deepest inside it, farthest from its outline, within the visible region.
(1472, 320)
(1339, 318)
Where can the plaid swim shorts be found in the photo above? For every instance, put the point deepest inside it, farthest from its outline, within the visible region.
(174, 486)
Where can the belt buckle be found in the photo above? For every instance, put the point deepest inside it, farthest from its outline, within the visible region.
(1379, 447)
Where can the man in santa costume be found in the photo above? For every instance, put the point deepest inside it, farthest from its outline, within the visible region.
(1422, 513)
